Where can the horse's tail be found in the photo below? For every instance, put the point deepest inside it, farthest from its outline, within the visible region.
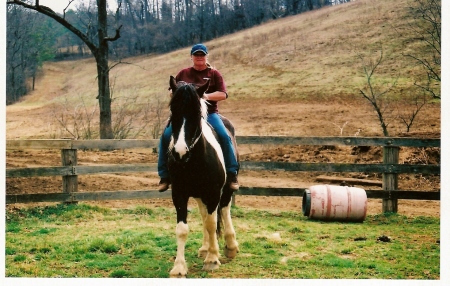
(225, 200)
(219, 222)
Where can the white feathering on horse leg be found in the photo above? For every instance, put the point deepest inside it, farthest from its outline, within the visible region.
(203, 250)
(209, 136)
(231, 244)
(211, 261)
(180, 267)
(181, 146)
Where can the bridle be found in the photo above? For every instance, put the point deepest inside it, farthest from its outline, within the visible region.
(198, 130)
(188, 148)
(194, 141)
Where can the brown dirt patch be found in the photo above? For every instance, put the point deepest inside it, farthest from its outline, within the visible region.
(259, 118)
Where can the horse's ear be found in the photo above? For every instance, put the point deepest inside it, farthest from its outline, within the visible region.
(173, 84)
(202, 89)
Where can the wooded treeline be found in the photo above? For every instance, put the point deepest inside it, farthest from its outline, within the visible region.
(161, 26)
(30, 40)
(148, 26)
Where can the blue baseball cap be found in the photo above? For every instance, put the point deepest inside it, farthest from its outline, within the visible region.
(199, 48)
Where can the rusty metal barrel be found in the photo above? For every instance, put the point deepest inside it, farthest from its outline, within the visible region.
(335, 203)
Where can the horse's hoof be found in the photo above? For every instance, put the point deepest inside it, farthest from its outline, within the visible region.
(230, 253)
(178, 276)
(179, 271)
(210, 266)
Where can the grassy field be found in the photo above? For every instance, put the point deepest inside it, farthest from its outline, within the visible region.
(90, 241)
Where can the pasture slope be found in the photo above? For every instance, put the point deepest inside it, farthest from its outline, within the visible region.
(298, 75)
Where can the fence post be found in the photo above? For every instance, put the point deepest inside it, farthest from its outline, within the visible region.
(390, 180)
(70, 182)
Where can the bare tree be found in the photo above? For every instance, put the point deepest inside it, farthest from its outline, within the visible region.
(377, 98)
(99, 50)
(74, 118)
(131, 117)
(408, 115)
(426, 25)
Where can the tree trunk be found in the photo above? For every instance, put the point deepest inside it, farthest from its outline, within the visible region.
(104, 98)
(104, 94)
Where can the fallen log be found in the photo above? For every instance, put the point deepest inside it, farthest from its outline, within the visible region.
(350, 181)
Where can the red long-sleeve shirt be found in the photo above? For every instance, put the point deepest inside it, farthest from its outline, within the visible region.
(198, 78)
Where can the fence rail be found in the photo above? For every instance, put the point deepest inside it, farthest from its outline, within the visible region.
(111, 144)
(390, 168)
(245, 165)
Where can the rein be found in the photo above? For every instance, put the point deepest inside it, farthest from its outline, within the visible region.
(194, 141)
(189, 148)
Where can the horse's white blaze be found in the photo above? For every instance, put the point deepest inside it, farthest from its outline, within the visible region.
(181, 146)
(209, 136)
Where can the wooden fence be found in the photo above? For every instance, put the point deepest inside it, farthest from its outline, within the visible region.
(390, 168)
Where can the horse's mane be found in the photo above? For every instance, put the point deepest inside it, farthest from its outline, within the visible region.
(185, 102)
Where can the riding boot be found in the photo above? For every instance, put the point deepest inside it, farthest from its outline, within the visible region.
(163, 185)
(232, 181)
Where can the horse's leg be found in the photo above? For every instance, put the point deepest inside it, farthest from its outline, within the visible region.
(180, 268)
(205, 244)
(231, 244)
(211, 261)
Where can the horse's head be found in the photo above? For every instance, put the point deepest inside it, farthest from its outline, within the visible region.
(187, 108)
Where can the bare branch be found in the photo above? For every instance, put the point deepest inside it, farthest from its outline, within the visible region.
(426, 25)
(64, 11)
(408, 116)
(50, 13)
(341, 128)
(375, 98)
(116, 36)
(125, 63)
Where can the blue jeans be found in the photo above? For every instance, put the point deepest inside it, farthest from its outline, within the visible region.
(231, 165)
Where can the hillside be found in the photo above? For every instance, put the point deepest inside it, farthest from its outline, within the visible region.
(299, 75)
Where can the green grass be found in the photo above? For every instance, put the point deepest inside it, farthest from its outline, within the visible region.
(88, 241)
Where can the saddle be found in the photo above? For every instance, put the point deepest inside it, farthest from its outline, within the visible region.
(228, 125)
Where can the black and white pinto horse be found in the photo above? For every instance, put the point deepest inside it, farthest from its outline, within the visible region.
(197, 169)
